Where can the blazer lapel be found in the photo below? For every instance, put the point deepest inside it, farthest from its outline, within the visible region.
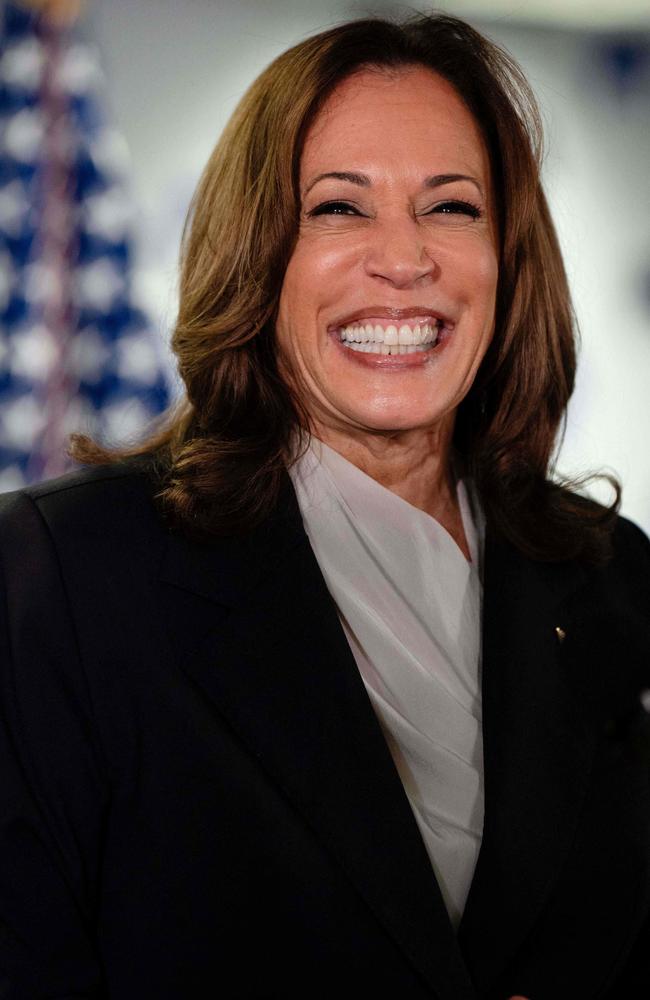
(274, 659)
(538, 746)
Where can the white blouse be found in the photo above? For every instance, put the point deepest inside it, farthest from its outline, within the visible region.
(410, 605)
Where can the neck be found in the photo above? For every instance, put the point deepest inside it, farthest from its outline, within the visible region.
(415, 464)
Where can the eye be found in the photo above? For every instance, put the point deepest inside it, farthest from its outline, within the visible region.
(333, 208)
(457, 208)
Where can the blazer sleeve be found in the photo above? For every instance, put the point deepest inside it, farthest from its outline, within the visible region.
(54, 789)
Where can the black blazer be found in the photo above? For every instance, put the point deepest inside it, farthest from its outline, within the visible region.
(196, 799)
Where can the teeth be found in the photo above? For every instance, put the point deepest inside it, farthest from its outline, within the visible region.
(407, 339)
(385, 348)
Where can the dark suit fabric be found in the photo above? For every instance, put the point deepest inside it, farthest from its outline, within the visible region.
(196, 799)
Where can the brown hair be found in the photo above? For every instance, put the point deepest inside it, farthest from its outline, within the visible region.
(223, 452)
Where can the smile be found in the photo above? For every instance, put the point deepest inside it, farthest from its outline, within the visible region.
(389, 339)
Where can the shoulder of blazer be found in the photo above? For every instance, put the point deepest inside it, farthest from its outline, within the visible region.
(74, 512)
(621, 583)
(630, 563)
(618, 591)
(598, 614)
(110, 511)
(609, 619)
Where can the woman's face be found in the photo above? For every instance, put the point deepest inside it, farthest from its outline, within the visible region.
(387, 304)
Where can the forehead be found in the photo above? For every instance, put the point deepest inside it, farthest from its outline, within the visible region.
(410, 113)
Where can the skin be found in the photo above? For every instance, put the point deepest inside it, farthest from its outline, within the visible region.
(394, 241)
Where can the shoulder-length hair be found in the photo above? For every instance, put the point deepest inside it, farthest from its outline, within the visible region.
(224, 451)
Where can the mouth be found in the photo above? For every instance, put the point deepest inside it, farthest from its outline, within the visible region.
(389, 333)
(407, 338)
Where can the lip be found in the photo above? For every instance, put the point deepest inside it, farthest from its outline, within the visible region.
(388, 312)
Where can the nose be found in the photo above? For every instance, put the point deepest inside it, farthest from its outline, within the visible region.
(399, 255)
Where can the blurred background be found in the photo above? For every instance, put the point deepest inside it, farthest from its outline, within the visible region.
(108, 112)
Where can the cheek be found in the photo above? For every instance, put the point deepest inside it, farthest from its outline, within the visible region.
(320, 259)
(315, 279)
(480, 269)
(480, 289)
(297, 308)
(487, 266)
(488, 272)
(297, 291)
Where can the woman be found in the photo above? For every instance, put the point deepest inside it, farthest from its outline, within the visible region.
(260, 737)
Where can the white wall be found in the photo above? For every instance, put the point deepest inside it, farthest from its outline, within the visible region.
(176, 70)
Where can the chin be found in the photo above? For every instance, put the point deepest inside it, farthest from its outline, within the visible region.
(387, 422)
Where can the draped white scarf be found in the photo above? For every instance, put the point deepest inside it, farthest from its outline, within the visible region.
(410, 605)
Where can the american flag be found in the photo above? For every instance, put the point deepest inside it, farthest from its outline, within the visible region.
(76, 353)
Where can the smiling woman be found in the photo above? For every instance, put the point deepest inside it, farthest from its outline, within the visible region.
(330, 682)
(243, 420)
(387, 305)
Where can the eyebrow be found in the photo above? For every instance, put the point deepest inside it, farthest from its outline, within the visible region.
(362, 180)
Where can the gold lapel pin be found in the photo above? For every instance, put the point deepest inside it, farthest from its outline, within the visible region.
(560, 633)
